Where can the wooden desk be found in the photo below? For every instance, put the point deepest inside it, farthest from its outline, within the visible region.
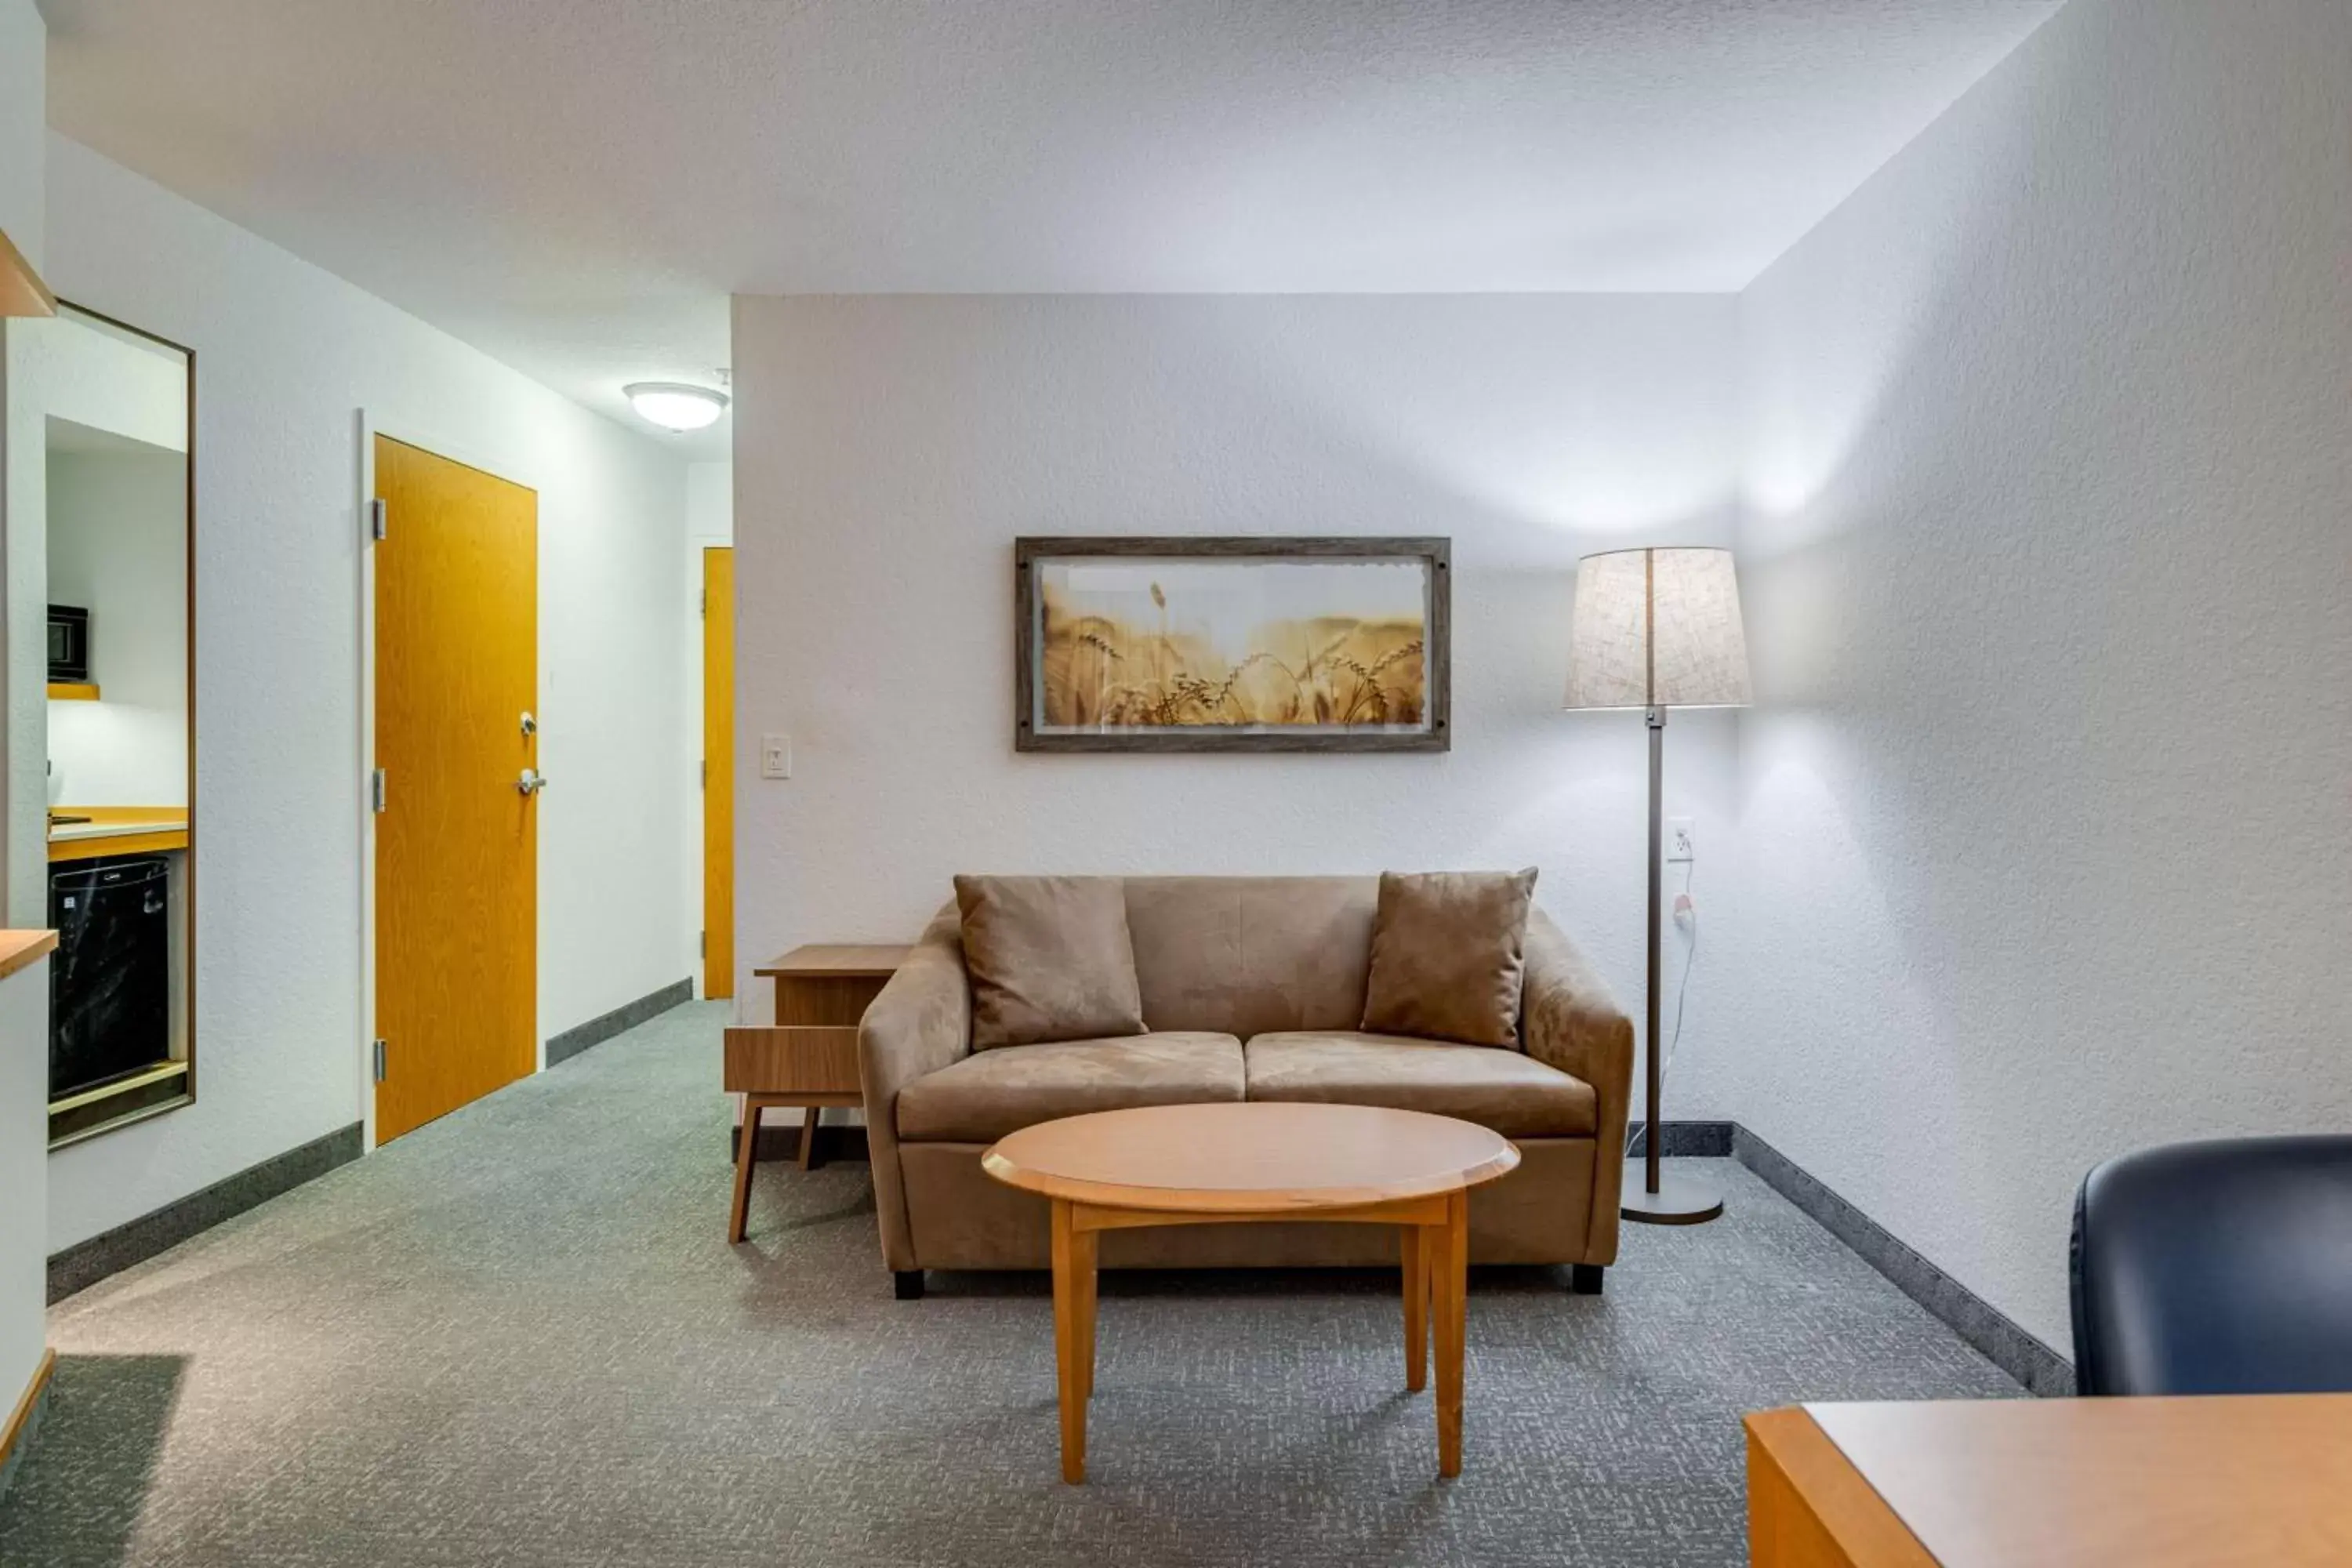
(809, 1057)
(2031, 1482)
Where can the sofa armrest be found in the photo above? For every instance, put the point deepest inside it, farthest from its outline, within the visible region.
(1569, 1020)
(921, 1022)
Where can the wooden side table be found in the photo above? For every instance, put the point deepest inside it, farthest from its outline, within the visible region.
(808, 1057)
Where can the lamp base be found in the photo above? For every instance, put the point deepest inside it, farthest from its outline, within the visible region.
(1679, 1200)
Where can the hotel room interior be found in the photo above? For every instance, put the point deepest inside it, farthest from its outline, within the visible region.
(1173, 782)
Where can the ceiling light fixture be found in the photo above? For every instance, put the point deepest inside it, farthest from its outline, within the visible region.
(674, 406)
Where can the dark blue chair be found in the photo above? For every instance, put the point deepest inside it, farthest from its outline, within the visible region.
(2221, 1267)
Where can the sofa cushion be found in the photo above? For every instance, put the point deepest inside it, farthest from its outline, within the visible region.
(1049, 960)
(990, 1094)
(1449, 956)
(1509, 1093)
(1247, 955)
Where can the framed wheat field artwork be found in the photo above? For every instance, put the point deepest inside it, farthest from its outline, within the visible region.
(1249, 644)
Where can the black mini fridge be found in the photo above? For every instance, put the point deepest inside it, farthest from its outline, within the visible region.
(110, 982)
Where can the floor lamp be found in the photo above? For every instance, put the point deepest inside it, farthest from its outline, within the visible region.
(1658, 629)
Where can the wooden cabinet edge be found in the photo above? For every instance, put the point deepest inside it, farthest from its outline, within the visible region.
(19, 948)
(20, 1418)
(1809, 1507)
(22, 292)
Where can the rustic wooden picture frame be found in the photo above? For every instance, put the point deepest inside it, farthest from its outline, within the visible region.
(1435, 735)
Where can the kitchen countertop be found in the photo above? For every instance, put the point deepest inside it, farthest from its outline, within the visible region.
(69, 830)
(117, 830)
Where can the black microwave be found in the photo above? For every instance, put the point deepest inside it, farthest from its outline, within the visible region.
(69, 644)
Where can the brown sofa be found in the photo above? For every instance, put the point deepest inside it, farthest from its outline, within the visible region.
(1252, 988)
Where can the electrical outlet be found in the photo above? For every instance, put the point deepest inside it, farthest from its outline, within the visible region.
(775, 756)
(1679, 845)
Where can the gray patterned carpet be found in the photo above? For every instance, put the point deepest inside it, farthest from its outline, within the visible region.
(516, 1337)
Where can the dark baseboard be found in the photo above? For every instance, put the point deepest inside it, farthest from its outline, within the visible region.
(1684, 1139)
(1993, 1334)
(780, 1138)
(562, 1048)
(86, 1263)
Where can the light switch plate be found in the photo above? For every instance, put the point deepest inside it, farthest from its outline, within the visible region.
(1679, 843)
(775, 756)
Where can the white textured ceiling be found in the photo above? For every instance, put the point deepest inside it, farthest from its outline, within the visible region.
(577, 186)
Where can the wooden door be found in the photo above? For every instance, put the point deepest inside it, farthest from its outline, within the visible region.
(456, 842)
(719, 772)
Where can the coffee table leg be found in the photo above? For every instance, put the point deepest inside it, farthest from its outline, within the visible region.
(1414, 1243)
(746, 1149)
(1084, 1251)
(1450, 1242)
(1068, 1317)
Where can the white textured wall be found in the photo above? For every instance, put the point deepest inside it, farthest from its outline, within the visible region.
(23, 101)
(24, 678)
(24, 43)
(2046, 550)
(24, 1139)
(25, 997)
(890, 449)
(287, 354)
(710, 503)
(97, 375)
(118, 547)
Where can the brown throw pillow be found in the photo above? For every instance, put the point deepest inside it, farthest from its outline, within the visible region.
(1449, 955)
(1049, 959)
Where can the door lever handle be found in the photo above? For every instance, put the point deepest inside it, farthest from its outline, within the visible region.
(531, 782)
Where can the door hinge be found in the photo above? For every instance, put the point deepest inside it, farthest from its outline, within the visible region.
(702, 943)
(705, 772)
(378, 519)
(376, 791)
(703, 608)
(378, 1055)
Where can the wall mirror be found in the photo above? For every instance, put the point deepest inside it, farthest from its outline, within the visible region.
(99, 831)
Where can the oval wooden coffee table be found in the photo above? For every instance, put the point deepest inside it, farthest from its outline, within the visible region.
(1219, 1164)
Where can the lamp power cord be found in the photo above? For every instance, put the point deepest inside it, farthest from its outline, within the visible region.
(1683, 906)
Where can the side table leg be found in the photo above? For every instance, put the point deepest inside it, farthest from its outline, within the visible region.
(808, 1138)
(1413, 1239)
(1066, 1313)
(1449, 1290)
(746, 1149)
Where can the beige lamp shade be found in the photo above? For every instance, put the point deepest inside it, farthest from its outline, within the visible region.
(1658, 628)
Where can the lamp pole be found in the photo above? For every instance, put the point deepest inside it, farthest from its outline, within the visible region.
(1625, 654)
(1663, 1199)
(1660, 1202)
(1653, 1135)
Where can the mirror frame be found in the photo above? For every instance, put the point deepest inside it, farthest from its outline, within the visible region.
(186, 1095)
